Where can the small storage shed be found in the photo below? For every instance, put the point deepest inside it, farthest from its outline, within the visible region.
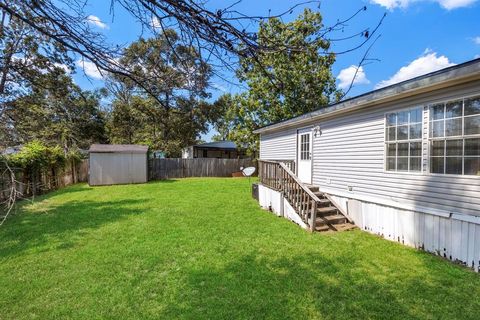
(117, 164)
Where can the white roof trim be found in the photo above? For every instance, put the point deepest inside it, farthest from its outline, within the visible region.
(461, 73)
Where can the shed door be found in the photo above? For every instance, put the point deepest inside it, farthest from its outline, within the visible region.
(304, 155)
(117, 168)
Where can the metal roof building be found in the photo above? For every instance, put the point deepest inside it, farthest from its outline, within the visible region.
(217, 149)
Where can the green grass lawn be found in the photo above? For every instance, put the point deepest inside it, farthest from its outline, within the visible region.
(202, 249)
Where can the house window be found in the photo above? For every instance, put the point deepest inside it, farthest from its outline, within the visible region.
(403, 140)
(305, 146)
(455, 137)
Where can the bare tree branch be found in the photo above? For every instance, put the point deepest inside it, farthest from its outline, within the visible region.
(220, 34)
(13, 194)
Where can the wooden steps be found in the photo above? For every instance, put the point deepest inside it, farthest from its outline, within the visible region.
(319, 211)
(326, 210)
(329, 217)
(333, 219)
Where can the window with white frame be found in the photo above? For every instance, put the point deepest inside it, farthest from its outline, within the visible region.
(305, 146)
(403, 140)
(455, 137)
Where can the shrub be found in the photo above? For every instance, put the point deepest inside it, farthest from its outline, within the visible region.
(36, 156)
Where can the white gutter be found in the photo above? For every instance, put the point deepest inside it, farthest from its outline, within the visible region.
(458, 74)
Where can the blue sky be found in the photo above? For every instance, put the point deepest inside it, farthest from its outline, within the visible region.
(417, 37)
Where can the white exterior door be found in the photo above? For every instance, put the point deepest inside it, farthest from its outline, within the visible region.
(304, 155)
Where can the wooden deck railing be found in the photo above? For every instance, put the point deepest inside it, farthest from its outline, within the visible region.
(278, 176)
(290, 164)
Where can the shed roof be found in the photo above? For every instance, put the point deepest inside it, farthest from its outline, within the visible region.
(118, 148)
(218, 145)
(461, 73)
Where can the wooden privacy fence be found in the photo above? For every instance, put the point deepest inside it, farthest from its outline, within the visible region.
(160, 169)
(45, 181)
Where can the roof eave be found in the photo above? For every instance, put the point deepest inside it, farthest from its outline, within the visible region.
(437, 80)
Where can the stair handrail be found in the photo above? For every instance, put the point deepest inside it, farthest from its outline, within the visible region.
(302, 185)
(339, 208)
(281, 184)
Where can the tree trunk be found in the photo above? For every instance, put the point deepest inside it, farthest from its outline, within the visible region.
(34, 183)
(74, 171)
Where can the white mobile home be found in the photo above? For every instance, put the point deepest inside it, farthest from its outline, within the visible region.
(402, 162)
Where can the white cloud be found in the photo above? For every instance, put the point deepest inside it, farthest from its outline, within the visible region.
(155, 23)
(476, 40)
(453, 4)
(64, 67)
(346, 75)
(90, 69)
(392, 4)
(476, 56)
(219, 87)
(428, 62)
(94, 20)
(446, 4)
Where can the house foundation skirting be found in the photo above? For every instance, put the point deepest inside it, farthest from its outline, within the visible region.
(274, 201)
(453, 237)
(450, 237)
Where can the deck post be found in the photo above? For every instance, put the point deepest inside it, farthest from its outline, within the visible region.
(313, 216)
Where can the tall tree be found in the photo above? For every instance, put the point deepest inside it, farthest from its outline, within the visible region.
(223, 107)
(26, 56)
(282, 83)
(223, 34)
(173, 112)
(57, 113)
(126, 124)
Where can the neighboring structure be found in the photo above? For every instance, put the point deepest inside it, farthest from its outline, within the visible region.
(11, 150)
(157, 154)
(402, 161)
(219, 150)
(117, 164)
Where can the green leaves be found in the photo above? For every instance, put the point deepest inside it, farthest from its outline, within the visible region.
(35, 155)
(171, 112)
(27, 55)
(58, 113)
(289, 77)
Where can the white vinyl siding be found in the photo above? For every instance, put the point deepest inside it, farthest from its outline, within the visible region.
(350, 153)
(281, 145)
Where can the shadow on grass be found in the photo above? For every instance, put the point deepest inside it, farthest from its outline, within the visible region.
(306, 287)
(79, 187)
(61, 223)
